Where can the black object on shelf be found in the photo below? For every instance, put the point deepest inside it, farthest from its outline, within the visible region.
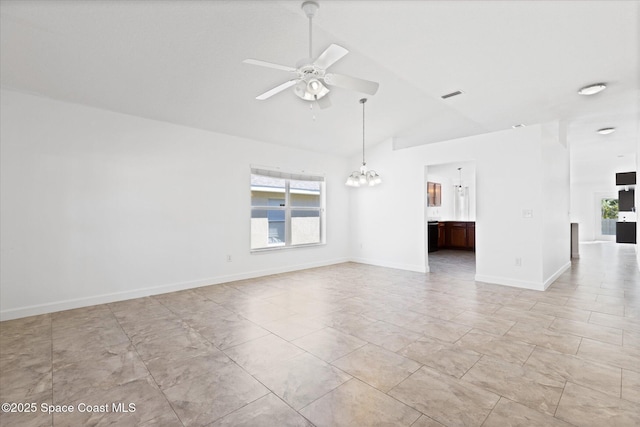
(626, 232)
(626, 200)
(626, 178)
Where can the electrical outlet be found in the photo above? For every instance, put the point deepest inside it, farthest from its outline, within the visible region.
(518, 262)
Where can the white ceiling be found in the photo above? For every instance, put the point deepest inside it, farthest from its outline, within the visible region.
(181, 62)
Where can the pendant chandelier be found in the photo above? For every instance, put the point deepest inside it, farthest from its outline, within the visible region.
(363, 176)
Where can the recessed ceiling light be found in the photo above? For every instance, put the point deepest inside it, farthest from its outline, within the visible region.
(592, 89)
(521, 125)
(606, 131)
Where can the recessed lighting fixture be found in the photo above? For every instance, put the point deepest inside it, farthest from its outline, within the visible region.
(592, 89)
(606, 131)
(521, 125)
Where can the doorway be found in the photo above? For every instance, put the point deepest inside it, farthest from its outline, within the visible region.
(450, 218)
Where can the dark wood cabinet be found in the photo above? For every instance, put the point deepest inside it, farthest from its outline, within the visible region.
(625, 232)
(457, 235)
(627, 200)
(442, 235)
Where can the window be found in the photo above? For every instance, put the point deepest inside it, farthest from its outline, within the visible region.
(608, 216)
(286, 209)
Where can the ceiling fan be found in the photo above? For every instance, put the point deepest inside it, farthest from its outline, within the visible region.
(311, 77)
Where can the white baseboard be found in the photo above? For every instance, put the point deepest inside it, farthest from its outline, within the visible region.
(508, 281)
(557, 274)
(54, 306)
(526, 284)
(399, 266)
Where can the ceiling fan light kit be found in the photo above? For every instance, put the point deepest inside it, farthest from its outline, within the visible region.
(363, 176)
(311, 76)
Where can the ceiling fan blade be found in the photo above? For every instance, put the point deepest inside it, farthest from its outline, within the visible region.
(353, 83)
(269, 65)
(324, 102)
(330, 56)
(277, 89)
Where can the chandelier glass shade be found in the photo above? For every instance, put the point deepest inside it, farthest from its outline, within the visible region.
(363, 176)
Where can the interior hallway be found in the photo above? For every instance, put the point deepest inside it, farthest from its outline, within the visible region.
(344, 345)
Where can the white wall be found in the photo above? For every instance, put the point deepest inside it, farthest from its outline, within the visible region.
(555, 190)
(100, 206)
(388, 221)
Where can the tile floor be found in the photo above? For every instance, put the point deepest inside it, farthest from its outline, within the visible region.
(345, 345)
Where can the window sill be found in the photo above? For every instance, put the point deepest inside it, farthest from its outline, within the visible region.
(284, 248)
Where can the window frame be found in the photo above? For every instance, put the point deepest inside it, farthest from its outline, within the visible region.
(288, 208)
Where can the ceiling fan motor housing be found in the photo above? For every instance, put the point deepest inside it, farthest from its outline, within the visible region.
(310, 8)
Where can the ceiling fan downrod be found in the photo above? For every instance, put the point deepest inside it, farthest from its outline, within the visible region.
(310, 8)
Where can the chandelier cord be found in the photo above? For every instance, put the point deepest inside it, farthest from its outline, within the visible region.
(362, 101)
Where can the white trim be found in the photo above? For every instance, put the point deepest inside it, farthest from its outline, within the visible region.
(507, 281)
(557, 274)
(536, 286)
(33, 310)
(398, 266)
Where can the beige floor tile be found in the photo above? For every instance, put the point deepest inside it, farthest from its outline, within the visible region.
(525, 317)
(266, 411)
(357, 404)
(631, 385)
(444, 319)
(631, 339)
(484, 322)
(28, 419)
(344, 321)
(230, 331)
(263, 352)
(199, 400)
(143, 393)
(301, 379)
(582, 406)
(30, 381)
(152, 329)
(425, 421)
(71, 379)
(622, 357)
(24, 353)
(613, 309)
(563, 312)
(505, 348)
(566, 367)
(626, 323)
(293, 327)
(445, 399)
(443, 330)
(517, 383)
(543, 337)
(442, 356)
(261, 312)
(512, 414)
(175, 347)
(168, 373)
(588, 330)
(387, 335)
(377, 366)
(329, 344)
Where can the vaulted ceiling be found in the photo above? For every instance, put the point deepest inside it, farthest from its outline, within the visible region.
(516, 62)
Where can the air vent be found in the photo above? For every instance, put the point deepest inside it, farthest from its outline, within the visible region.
(452, 94)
